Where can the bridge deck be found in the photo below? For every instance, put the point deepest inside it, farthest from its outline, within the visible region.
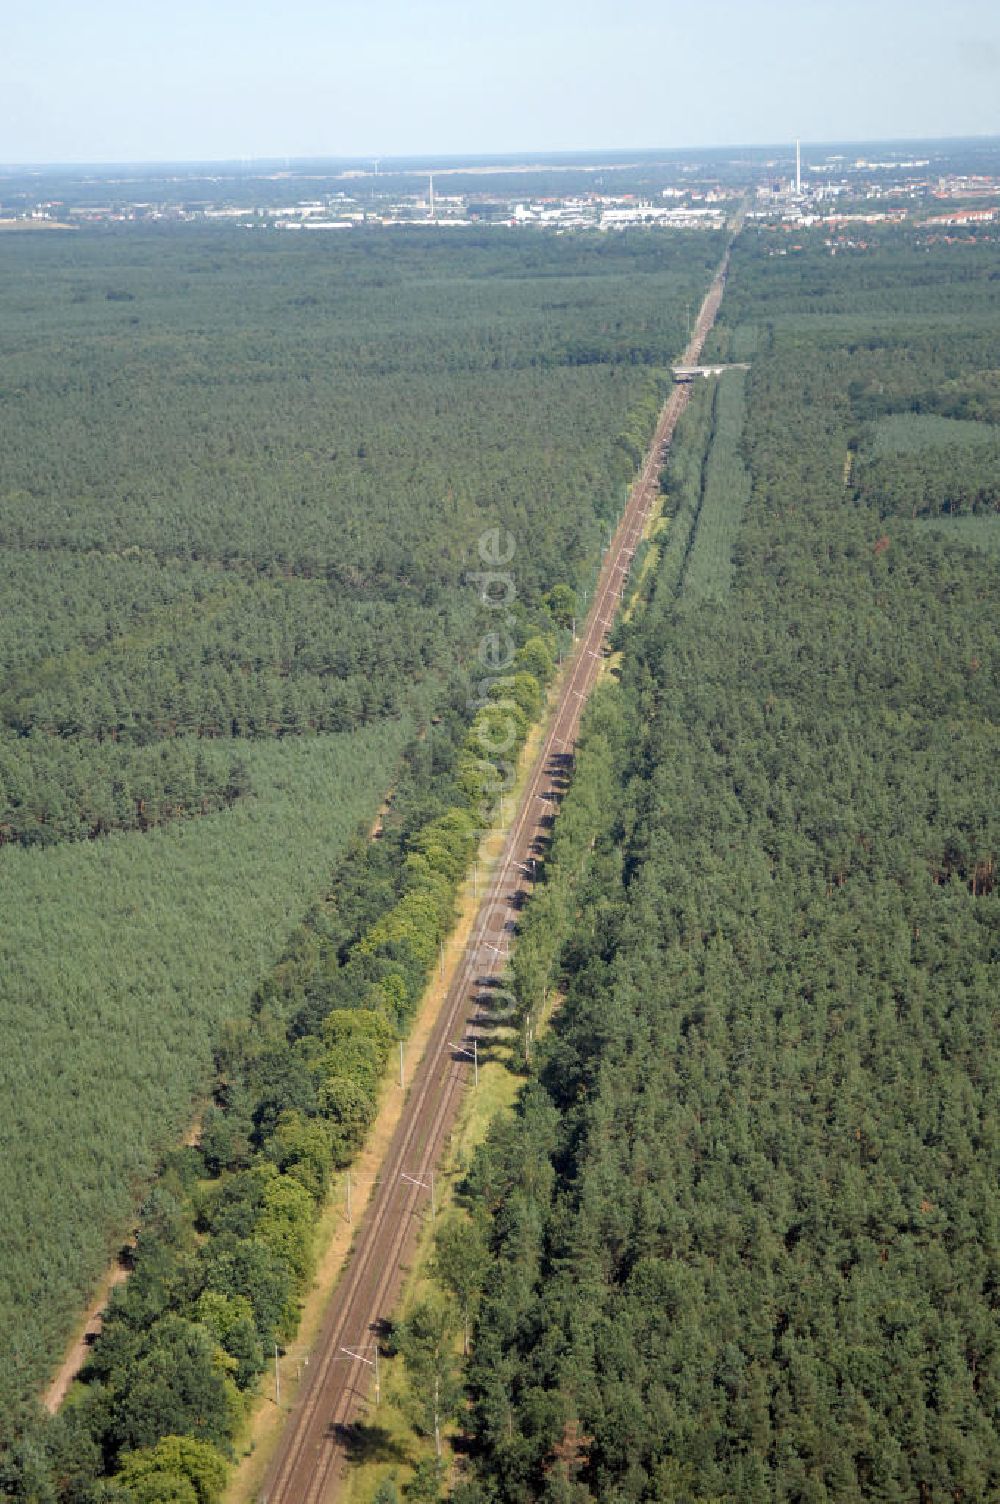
(689, 373)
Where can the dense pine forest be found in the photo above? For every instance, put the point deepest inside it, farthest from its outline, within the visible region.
(738, 1242)
(241, 487)
(742, 1233)
(240, 481)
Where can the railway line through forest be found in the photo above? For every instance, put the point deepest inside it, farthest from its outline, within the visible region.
(342, 1372)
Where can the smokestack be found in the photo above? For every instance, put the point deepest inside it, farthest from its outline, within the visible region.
(431, 178)
(798, 167)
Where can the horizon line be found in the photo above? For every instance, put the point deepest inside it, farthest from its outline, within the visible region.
(514, 158)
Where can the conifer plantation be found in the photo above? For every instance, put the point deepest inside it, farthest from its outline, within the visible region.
(241, 483)
(742, 1232)
(737, 1241)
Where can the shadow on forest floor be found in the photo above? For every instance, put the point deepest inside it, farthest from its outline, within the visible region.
(366, 1443)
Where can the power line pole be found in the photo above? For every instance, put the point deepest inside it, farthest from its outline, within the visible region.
(369, 1362)
(424, 1186)
(473, 1054)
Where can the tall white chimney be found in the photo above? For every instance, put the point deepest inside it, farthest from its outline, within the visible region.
(798, 167)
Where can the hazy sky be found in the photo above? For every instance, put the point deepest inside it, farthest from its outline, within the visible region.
(118, 80)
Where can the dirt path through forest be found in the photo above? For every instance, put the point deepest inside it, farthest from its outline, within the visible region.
(79, 1348)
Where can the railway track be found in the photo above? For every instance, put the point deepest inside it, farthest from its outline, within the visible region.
(314, 1447)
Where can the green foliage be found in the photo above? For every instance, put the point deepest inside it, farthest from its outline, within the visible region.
(427, 1483)
(681, 480)
(928, 466)
(974, 532)
(461, 1260)
(358, 1043)
(57, 790)
(166, 1487)
(217, 640)
(386, 1493)
(230, 1319)
(724, 495)
(176, 1385)
(120, 959)
(425, 1338)
(195, 1464)
(286, 1225)
(745, 342)
(535, 658)
(445, 845)
(302, 1147)
(561, 600)
(974, 396)
(910, 433)
(246, 1268)
(546, 924)
(525, 692)
(743, 1221)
